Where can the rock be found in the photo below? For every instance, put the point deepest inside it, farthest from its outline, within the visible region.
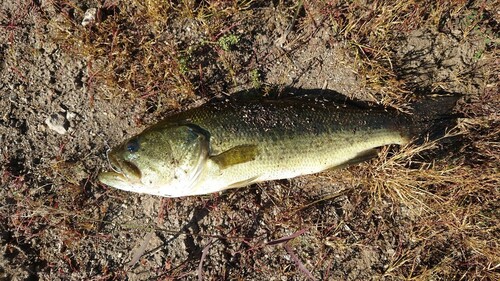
(70, 115)
(58, 122)
(89, 16)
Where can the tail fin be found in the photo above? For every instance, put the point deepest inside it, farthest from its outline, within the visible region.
(433, 115)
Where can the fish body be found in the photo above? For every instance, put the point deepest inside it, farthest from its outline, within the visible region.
(233, 144)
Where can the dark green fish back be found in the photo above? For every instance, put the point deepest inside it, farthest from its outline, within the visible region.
(232, 123)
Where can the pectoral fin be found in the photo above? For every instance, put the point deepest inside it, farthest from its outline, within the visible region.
(236, 155)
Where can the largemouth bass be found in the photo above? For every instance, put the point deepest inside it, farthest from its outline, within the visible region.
(234, 144)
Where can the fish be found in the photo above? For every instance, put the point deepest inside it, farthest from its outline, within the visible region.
(232, 144)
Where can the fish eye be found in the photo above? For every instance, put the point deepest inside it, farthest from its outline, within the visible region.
(133, 146)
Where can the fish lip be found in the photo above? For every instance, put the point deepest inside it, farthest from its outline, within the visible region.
(126, 169)
(103, 177)
(115, 164)
(133, 172)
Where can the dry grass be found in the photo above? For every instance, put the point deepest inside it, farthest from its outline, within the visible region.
(452, 205)
(372, 28)
(151, 62)
(436, 205)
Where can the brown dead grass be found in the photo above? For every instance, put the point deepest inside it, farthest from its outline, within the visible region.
(452, 205)
(372, 28)
(446, 207)
(144, 62)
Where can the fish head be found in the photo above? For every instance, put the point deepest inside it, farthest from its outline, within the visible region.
(164, 160)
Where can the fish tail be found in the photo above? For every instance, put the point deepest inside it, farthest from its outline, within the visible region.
(433, 115)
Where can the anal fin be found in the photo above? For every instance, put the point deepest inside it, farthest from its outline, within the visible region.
(242, 183)
(360, 157)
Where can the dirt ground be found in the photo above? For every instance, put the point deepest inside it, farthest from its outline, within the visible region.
(60, 112)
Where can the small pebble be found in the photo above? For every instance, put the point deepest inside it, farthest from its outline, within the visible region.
(89, 16)
(70, 115)
(57, 122)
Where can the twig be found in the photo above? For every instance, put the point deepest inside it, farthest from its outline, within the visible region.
(141, 250)
(298, 263)
(287, 238)
(203, 256)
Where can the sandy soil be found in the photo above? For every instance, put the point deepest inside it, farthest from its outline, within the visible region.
(59, 223)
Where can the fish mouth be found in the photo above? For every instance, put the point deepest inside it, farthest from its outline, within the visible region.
(113, 162)
(125, 168)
